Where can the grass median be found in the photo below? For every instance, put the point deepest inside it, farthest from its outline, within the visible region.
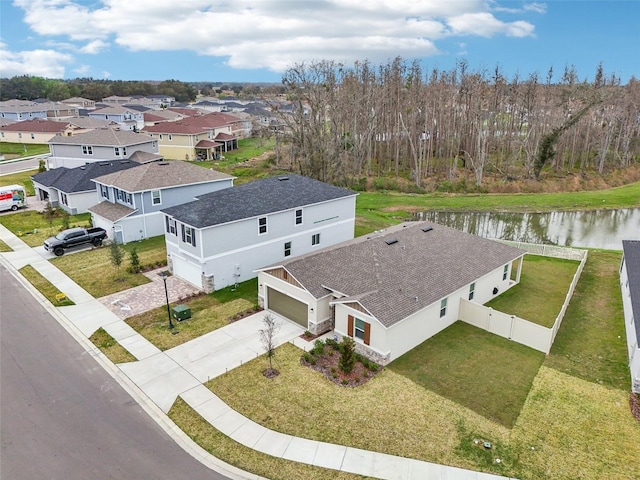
(45, 287)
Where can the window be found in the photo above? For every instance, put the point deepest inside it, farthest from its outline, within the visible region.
(443, 307)
(262, 225)
(315, 239)
(299, 217)
(64, 199)
(33, 136)
(156, 199)
(87, 150)
(129, 199)
(104, 191)
(505, 272)
(160, 136)
(472, 290)
(154, 144)
(171, 225)
(359, 329)
(287, 249)
(19, 135)
(188, 235)
(170, 137)
(117, 151)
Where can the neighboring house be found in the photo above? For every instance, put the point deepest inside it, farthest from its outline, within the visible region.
(630, 285)
(35, 131)
(131, 200)
(126, 118)
(391, 290)
(201, 137)
(80, 102)
(73, 189)
(87, 123)
(99, 146)
(20, 110)
(221, 238)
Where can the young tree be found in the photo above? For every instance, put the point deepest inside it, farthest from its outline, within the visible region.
(347, 355)
(268, 339)
(134, 261)
(116, 255)
(66, 219)
(49, 213)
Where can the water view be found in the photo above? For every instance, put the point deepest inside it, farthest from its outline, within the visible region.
(595, 229)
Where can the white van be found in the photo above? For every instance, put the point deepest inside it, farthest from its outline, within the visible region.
(12, 197)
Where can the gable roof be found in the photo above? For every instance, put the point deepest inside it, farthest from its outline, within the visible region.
(260, 197)
(111, 211)
(90, 122)
(394, 279)
(79, 179)
(104, 136)
(156, 175)
(36, 125)
(113, 110)
(631, 250)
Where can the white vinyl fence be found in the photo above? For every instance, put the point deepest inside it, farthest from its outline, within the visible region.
(518, 329)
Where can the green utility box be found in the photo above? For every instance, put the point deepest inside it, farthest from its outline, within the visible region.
(181, 312)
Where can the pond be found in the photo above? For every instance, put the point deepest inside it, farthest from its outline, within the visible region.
(594, 229)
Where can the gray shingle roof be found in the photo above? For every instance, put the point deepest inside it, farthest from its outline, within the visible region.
(79, 179)
(395, 281)
(155, 175)
(631, 249)
(111, 211)
(260, 197)
(104, 136)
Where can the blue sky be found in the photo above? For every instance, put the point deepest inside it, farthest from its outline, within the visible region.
(256, 40)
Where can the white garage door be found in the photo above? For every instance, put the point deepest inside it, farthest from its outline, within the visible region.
(188, 271)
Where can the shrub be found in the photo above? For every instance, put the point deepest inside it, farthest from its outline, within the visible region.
(306, 356)
(345, 381)
(318, 347)
(331, 343)
(134, 261)
(347, 355)
(373, 366)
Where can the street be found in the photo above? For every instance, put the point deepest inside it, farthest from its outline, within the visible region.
(62, 416)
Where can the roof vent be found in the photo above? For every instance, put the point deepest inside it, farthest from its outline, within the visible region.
(427, 229)
(282, 179)
(391, 241)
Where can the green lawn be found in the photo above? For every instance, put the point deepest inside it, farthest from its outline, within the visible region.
(44, 286)
(375, 210)
(209, 312)
(21, 178)
(542, 278)
(112, 349)
(484, 372)
(33, 228)
(93, 271)
(4, 247)
(15, 150)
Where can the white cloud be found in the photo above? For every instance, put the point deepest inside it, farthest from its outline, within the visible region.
(42, 63)
(272, 33)
(106, 74)
(82, 70)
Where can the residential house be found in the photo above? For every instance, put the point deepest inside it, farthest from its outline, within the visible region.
(630, 285)
(126, 118)
(99, 146)
(36, 130)
(73, 189)
(20, 110)
(221, 238)
(80, 102)
(131, 200)
(391, 290)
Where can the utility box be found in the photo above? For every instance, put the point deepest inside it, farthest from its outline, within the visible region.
(181, 312)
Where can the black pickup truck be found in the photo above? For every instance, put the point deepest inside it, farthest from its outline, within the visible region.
(74, 237)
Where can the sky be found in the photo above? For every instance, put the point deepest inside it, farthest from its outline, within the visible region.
(257, 40)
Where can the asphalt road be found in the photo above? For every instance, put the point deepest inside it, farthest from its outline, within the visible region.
(13, 167)
(62, 416)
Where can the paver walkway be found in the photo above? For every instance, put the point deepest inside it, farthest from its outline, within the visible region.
(162, 376)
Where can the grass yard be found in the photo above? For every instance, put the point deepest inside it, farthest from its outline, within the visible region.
(209, 312)
(93, 271)
(375, 210)
(112, 349)
(591, 343)
(245, 458)
(16, 150)
(4, 247)
(20, 178)
(542, 278)
(34, 229)
(44, 286)
(464, 359)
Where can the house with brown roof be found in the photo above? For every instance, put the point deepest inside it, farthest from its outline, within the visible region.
(36, 130)
(100, 145)
(391, 290)
(131, 200)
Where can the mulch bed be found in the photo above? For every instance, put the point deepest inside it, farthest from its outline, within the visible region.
(243, 314)
(328, 365)
(634, 403)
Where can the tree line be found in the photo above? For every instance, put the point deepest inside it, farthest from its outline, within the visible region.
(26, 87)
(398, 118)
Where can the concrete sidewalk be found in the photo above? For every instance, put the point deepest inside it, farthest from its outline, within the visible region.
(181, 371)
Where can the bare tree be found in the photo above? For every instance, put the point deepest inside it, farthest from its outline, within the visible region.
(268, 339)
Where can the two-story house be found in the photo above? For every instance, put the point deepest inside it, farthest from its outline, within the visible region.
(630, 286)
(20, 110)
(36, 130)
(80, 102)
(126, 118)
(132, 200)
(101, 145)
(223, 237)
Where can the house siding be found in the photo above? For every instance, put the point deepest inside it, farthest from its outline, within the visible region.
(71, 156)
(633, 348)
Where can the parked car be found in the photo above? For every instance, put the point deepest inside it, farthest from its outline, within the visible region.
(74, 237)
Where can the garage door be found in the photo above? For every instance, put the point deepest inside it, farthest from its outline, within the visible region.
(188, 271)
(287, 307)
